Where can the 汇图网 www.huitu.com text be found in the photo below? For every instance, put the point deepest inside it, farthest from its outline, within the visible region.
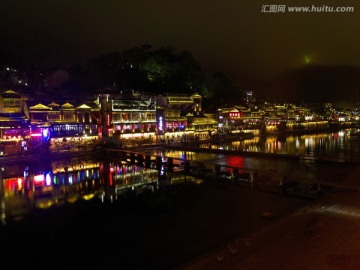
(305, 9)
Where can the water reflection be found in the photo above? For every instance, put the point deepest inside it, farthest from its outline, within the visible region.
(338, 144)
(24, 189)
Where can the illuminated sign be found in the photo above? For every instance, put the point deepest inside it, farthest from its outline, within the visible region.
(161, 126)
(108, 120)
(235, 115)
(46, 133)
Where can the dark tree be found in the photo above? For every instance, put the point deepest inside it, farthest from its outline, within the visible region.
(141, 68)
(102, 71)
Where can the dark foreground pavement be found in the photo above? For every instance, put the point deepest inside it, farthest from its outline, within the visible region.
(324, 235)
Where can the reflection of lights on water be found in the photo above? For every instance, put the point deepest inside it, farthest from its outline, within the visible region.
(19, 183)
(341, 133)
(88, 196)
(3, 215)
(48, 179)
(309, 141)
(39, 178)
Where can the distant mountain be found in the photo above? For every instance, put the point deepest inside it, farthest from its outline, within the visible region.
(313, 83)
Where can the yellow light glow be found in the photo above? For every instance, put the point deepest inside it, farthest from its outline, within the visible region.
(88, 196)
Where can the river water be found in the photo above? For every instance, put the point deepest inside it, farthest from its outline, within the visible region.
(337, 147)
(101, 212)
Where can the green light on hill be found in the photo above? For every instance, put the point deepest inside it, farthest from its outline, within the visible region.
(307, 59)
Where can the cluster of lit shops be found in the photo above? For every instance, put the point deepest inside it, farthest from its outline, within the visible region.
(154, 116)
(133, 118)
(269, 119)
(26, 124)
(239, 119)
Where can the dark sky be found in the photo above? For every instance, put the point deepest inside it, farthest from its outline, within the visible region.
(232, 36)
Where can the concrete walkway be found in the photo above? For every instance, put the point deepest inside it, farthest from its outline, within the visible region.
(324, 236)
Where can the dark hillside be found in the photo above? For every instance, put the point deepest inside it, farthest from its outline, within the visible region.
(314, 84)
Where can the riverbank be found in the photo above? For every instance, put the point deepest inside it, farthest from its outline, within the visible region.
(323, 235)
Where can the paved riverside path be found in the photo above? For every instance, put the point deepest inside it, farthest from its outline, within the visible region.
(324, 235)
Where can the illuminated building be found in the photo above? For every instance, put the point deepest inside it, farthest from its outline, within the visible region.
(184, 113)
(203, 124)
(174, 108)
(124, 116)
(13, 116)
(66, 120)
(134, 115)
(229, 119)
(14, 124)
(174, 120)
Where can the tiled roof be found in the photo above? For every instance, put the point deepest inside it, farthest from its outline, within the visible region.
(10, 94)
(67, 105)
(40, 106)
(53, 104)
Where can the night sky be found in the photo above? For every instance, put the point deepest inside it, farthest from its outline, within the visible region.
(232, 36)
